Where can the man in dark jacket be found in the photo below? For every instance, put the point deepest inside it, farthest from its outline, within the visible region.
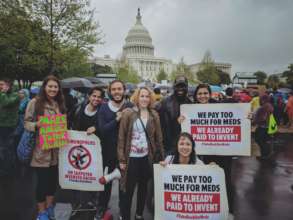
(108, 118)
(9, 102)
(169, 111)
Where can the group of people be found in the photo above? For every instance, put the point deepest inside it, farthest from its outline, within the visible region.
(134, 134)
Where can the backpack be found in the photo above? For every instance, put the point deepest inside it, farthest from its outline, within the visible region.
(26, 146)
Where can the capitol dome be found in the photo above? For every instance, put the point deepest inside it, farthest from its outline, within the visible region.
(138, 41)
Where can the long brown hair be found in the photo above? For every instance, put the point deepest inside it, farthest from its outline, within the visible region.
(42, 98)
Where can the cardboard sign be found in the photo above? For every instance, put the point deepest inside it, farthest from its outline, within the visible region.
(190, 192)
(53, 132)
(80, 162)
(218, 129)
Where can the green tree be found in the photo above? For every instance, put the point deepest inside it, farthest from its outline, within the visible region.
(125, 72)
(96, 68)
(183, 69)
(162, 75)
(273, 81)
(261, 77)
(208, 72)
(23, 54)
(44, 36)
(289, 75)
(73, 62)
(224, 77)
(69, 24)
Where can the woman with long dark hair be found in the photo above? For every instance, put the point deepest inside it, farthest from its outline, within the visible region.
(185, 152)
(203, 95)
(50, 101)
(139, 140)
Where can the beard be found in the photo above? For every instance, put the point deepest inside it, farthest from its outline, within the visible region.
(119, 100)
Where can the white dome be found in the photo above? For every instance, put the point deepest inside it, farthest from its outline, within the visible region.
(138, 40)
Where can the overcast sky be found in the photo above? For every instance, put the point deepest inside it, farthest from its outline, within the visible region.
(250, 34)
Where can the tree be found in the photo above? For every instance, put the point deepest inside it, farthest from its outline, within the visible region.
(39, 37)
(96, 68)
(273, 81)
(261, 77)
(23, 53)
(224, 77)
(69, 23)
(162, 75)
(125, 72)
(208, 72)
(183, 69)
(289, 75)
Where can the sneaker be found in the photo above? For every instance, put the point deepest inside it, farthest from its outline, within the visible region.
(43, 216)
(100, 214)
(50, 211)
(138, 217)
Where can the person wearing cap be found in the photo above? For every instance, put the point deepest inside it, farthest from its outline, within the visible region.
(169, 111)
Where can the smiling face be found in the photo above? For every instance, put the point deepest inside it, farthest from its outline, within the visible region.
(144, 98)
(184, 147)
(181, 90)
(117, 92)
(203, 96)
(51, 89)
(95, 98)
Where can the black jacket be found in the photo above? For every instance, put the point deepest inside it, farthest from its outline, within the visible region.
(169, 111)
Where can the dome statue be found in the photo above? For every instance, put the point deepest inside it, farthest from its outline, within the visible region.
(138, 41)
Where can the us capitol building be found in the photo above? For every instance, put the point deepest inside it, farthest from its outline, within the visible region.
(139, 52)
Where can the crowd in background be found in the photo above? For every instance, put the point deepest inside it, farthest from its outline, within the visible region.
(135, 131)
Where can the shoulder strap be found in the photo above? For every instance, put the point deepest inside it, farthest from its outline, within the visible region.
(145, 131)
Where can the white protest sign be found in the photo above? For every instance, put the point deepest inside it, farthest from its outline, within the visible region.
(190, 192)
(218, 129)
(80, 163)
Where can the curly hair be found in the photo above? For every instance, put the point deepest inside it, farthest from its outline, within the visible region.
(135, 96)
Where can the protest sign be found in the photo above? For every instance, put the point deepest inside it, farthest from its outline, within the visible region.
(53, 132)
(218, 129)
(190, 192)
(80, 162)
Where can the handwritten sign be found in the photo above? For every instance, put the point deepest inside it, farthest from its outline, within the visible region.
(53, 131)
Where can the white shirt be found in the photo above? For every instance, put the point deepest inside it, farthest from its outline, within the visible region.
(112, 107)
(170, 158)
(89, 113)
(139, 144)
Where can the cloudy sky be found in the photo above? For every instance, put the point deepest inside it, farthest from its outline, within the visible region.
(250, 34)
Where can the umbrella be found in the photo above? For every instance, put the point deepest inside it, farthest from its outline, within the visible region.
(35, 90)
(76, 83)
(96, 81)
(216, 88)
(284, 90)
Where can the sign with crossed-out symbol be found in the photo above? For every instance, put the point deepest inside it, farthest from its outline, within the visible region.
(79, 157)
